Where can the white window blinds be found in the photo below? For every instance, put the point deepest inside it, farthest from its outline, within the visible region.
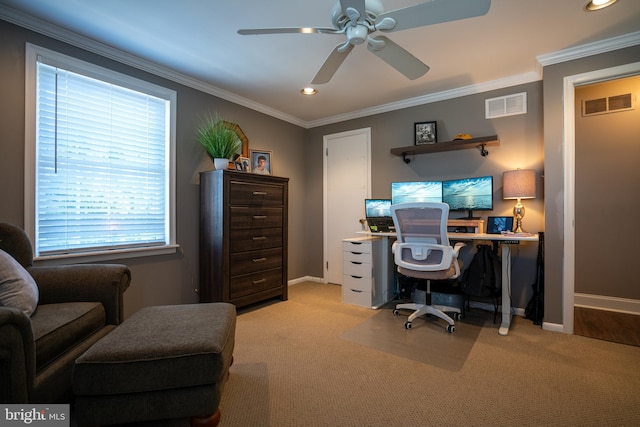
(102, 164)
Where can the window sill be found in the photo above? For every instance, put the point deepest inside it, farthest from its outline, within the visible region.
(101, 256)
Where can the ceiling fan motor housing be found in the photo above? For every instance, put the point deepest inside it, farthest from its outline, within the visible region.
(357, 35)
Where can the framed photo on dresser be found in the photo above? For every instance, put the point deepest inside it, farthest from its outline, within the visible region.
(261, 162)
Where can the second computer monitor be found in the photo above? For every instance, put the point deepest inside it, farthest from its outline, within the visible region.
(416, 192)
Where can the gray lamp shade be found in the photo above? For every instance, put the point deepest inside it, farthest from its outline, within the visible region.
(519, 184)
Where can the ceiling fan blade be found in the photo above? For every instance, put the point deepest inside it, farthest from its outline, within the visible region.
(302, 30)
(333, 62)
(358, 5)
(399, 58)
(434, 12)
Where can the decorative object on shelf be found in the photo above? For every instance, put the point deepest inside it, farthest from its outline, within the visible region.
(519, 184)
(425, 133)
(261, 162)
(220, 139)
(242, 164)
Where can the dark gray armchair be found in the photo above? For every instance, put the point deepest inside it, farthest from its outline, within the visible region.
(78, 305)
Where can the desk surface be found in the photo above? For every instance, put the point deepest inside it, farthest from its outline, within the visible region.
(521, 237)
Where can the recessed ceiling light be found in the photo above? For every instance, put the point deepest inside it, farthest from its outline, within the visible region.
(309, 91)
(599, 4)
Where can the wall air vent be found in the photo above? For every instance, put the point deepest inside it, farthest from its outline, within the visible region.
(611, 104)
(509, 105)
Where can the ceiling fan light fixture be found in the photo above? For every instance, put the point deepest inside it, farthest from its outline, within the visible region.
(594, 5)
(309, 91)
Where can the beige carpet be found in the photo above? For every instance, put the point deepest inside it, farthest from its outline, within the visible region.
(293, 368)
(426, 342)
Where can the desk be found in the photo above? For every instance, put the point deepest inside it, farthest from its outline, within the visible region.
(507, 241)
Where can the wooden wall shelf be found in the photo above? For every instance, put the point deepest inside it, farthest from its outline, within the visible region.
(461, 144)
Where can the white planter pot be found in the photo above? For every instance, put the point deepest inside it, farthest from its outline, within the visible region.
(221, 164)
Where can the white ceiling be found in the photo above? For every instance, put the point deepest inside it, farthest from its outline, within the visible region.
(198, 39)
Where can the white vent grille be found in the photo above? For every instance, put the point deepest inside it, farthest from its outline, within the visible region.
(509, 105)
(611, 104)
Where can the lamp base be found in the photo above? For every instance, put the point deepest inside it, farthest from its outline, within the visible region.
(518, 213)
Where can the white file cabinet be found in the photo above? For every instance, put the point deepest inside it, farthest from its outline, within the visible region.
(365, 278)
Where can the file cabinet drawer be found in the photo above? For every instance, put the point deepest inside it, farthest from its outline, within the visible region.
(356, 297)
(356, 245)
(357, 257)
(350, 268)
(356, 283)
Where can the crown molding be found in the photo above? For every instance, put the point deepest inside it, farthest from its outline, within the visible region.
(430, 98)
(589, 49)
(74, 39)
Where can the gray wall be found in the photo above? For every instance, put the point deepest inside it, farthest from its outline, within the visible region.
(159, 279)
(554, 167)
(521, 146)
(525, 142)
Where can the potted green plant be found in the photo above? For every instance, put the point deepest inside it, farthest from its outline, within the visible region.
(218, 140)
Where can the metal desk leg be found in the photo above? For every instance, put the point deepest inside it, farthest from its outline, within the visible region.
(506, 289)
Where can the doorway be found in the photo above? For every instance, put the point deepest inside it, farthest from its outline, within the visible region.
(347, 182)
(575, 205)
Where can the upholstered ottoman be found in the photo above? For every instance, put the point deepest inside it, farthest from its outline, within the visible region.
(162, 363)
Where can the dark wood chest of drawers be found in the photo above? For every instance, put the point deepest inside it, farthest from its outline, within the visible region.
(243, 237)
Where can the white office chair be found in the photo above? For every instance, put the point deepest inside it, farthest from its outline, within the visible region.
(422, 251)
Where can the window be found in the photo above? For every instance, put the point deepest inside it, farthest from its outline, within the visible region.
(100, 160)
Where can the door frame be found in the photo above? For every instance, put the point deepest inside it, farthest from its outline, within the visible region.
(325, 195)
(569, 151)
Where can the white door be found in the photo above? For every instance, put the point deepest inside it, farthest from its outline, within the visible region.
(347, 182)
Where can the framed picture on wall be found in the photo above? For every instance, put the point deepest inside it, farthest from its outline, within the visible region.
(261, 162)
(425, 133)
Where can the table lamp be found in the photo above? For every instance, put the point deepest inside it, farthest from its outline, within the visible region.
(519, 184)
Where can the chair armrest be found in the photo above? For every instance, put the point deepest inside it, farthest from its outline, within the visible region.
(104, 283)
(17, 356)
(457, 247)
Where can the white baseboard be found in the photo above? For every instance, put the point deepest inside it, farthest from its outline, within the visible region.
(305, 279)
(602, 302)
(553, 327)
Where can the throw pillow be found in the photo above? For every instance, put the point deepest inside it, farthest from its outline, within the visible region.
(17, 287)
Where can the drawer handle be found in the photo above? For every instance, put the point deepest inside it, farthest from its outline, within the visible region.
(356, 243)
(259, 217)
(259, 259)
(356, 291)
(356, 263)
(259, 238)
(257, 282)
(356, 277)
(356, 253)
(259, 193)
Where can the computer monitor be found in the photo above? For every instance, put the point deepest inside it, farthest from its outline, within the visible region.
(416, 192)
(468, 194)
(377, 208)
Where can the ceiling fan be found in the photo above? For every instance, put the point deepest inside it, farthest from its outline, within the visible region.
(359, 19)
